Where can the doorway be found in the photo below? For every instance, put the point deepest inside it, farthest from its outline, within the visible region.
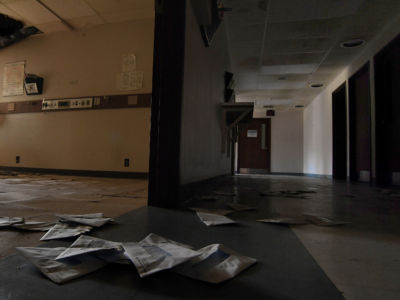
(339, 133)
(360, 125)
(387, 112)
(255, 147)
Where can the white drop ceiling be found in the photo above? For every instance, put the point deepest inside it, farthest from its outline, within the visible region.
(280, 47)
(81, 14)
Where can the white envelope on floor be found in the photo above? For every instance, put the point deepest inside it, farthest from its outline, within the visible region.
(214, 219)
(155, 254)
(88, 244)
(60, 271)
(8, 221)
(65, 230)
(216, 264)
(95, 220)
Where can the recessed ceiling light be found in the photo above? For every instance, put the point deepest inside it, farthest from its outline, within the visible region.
(352, 43)
(317, 85)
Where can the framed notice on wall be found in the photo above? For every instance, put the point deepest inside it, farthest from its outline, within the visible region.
(13, 78)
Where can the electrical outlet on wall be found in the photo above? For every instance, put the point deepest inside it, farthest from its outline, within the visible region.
(126, 162)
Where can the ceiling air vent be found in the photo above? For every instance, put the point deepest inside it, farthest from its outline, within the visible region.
(12, 31)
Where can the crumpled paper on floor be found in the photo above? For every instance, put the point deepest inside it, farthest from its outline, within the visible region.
(216, 264)
(8, 221)
(214, 219)
(65, 230)
(34, 226)
(155, 254)
(87, 244)
(94, 220)
(60, 271)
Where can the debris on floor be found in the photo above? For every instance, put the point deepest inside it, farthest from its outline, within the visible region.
(9, 221)
(240, 207)
(22, 224)
(216, 211)
(65, 230)
(214, 263)
(95, 220)
(34, 226)
(211, 219)
(60, 271)
(284, 221)
(323, 221)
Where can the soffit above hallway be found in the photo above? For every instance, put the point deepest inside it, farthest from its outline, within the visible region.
(280, 47)
(81, 14)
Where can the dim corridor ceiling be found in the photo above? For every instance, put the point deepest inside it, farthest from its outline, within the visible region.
(280, 47)
(78, 13)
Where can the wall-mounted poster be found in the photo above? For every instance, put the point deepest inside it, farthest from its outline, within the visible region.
(13, 78)
(252, 133)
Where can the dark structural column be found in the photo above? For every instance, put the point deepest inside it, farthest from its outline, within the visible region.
(169, 50)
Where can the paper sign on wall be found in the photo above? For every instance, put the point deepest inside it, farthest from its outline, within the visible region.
(128, 62)
(252, 133)
(130, 80)
(13, 78)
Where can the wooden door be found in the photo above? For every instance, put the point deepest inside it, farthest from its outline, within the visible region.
(255, 146)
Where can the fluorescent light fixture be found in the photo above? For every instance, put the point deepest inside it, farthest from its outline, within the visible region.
(288, 69)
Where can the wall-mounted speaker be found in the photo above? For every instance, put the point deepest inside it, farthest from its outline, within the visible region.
(33, 84)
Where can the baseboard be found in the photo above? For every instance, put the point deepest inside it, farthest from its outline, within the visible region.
(188, 190)
(111, 174)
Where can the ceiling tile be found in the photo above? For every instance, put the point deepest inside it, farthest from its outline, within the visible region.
(295, 10)
(293, 59)
(32, 11)
(70, 9)
(52, 27)
(112, 6)
(12, 14)
(86, 22)
(298, 45)
(123, 16)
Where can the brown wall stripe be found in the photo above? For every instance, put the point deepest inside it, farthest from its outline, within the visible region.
(106, 102)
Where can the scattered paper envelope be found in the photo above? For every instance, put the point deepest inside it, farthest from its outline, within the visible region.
(95, 220)
(34, 226)
(216, 264)
(65, 230)
(8, 221)
(214, 219)
(155, 254)
(88, 244)
(60, 271)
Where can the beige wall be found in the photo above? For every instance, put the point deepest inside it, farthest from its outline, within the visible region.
(77, 64)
